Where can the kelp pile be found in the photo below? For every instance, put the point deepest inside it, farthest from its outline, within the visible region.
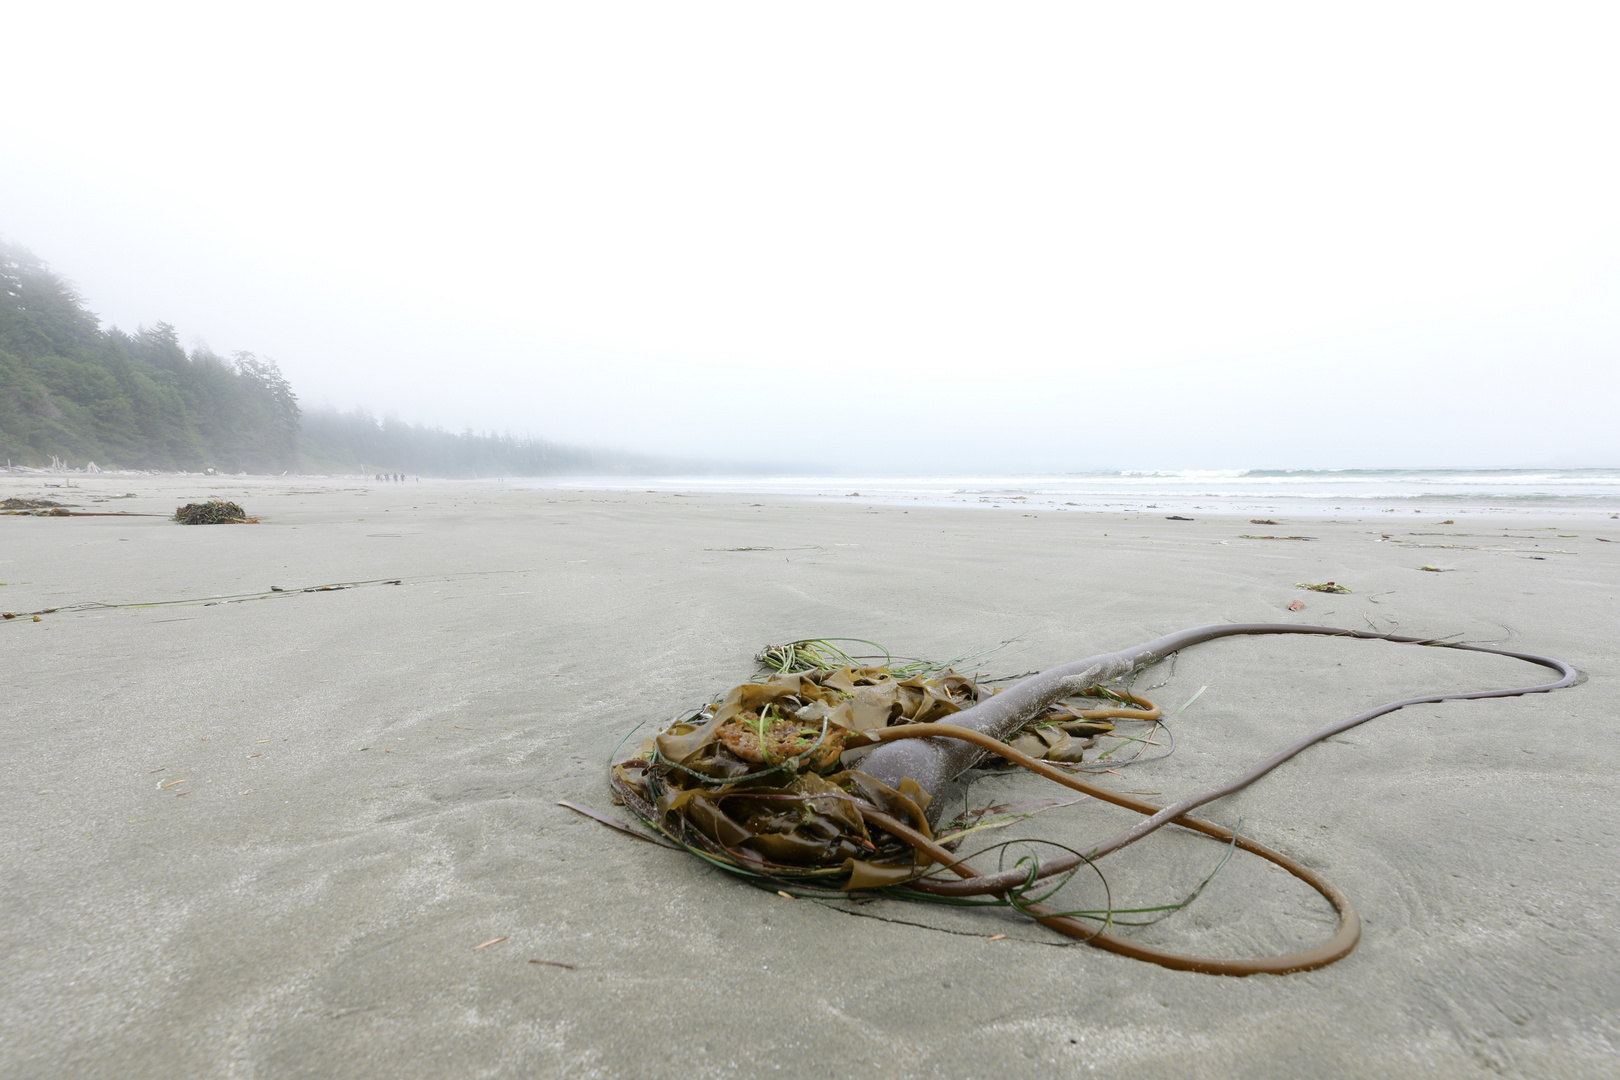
(778, 781)
(213, 512)
(767, 780)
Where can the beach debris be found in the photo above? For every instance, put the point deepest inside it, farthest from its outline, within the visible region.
(1603, 540)
(60, 512)
(801, 547)
(555, 963)
(807, 825)
(1326, 586)
(1297, 605)
(17, 502)
(1177, 517)
(1246, 536)
(487, 944)
(763, 778)
(213, 512)
(996, 937)
(611, 822)
(9, 615)
(1261, 521)
(1433, 569)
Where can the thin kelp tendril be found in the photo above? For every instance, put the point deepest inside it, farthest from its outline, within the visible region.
(820, 654)
(1019, 896)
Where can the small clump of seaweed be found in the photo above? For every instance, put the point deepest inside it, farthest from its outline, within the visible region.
(17, 502)
(213, 512)
(1324, 586)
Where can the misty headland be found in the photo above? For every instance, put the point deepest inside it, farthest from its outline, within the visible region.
(74, 392)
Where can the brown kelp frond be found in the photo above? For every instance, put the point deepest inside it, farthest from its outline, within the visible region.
(765, 781)
(213, 512)
(762, 782)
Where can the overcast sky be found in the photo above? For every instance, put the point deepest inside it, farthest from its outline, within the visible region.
(876, 236)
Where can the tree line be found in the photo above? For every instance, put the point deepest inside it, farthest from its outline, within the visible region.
(346, 442)
(73, 391)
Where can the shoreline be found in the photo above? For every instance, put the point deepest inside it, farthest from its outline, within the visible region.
(931, 493)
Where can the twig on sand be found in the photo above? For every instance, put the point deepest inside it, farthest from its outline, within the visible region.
(613, 823)
(487, 944)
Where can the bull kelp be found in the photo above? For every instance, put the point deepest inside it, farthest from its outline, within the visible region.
(758, 780)
(823, 777)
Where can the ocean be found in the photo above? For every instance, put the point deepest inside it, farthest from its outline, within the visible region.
(1259, 492)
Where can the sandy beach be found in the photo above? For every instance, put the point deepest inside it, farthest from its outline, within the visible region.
(255, 834)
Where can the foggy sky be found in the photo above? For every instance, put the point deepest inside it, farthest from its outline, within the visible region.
(929, 236)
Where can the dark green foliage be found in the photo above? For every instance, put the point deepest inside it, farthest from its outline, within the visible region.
(212, 512)
(72, 390)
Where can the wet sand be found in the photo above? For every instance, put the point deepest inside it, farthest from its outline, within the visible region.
(262, 837)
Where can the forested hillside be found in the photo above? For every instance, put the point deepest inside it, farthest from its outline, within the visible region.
(71, 390)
